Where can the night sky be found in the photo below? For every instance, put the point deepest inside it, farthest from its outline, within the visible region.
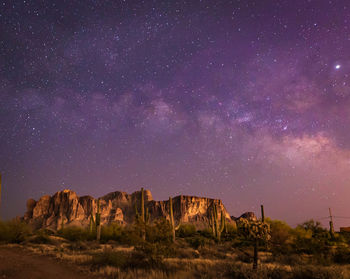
(246, 101)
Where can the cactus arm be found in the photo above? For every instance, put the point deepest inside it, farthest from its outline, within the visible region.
(98, 221)
(142, 205)
(222, 226)
(211, 222)
(137, 214)
(147, 216)
(172, 223)
(217, 229)
(92, 222)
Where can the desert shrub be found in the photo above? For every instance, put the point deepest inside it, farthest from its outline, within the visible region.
(74, 233)
(159, 232)
(79, 246)
(313, 226)
(289, 259)
(298, 272)
(239, 271)
(319, 272)
(130, 236)
(197, 241)
(231, 229)
(111, 232)
(149, 255)
(311, 238)
(41, 237)
(342, 255)
(111, 258)
(244, 256)
(281, 237)
(207, 233)
(14, 231)
(186, 253)
(241, 242)
(186, 230)
(280, 232)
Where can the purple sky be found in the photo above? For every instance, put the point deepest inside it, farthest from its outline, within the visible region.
(246, 101)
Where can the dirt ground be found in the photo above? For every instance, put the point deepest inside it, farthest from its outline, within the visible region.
(18, 263)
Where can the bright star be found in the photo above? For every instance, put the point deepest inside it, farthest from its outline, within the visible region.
(337, 66)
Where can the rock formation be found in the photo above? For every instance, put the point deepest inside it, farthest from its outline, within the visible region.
(65, 207)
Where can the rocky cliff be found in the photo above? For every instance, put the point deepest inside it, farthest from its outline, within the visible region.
(65, 207)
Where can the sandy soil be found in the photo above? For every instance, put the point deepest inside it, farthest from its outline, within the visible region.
(18, 263)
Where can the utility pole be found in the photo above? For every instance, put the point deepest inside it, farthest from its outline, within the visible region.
(331, 227)
(262, 214)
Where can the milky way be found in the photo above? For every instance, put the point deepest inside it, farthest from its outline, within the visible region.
(246, 101)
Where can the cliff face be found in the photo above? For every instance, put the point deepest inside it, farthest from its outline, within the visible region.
(65, 207)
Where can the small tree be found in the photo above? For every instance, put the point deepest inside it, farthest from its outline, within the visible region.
(254, 231)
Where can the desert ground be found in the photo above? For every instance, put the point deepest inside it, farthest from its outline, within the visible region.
(71, 253)
(20, 263)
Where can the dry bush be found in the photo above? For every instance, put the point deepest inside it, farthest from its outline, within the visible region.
(14, 231)
(319, 272)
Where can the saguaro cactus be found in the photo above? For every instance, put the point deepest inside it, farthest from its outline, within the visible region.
(255, 231)
(98, 221)
(217, 228)
(172, 222)
(144, 217)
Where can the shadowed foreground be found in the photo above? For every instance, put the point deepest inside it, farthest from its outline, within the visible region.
(18, 263)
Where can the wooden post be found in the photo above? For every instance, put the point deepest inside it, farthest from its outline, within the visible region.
(255, 262)
(262, 214)
(331, 226)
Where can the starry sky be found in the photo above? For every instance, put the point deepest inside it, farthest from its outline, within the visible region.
(246, 101)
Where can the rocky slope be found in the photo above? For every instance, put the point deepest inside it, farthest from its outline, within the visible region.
(67, 208)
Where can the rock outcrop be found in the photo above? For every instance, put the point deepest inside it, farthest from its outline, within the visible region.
(65, 207)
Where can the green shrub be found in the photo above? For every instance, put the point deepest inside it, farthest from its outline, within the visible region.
(207, 233)
(298, 272)
(186, 230)
(111, 258)
(130, 236)
(160, 231)
(319, 272)
(280, 232)
(111, 232)
(197, 241)
(342, 255)
(238, 271)
(41, 237)
(311, 238)
(14, 231)
(150, 255)
(74, 233)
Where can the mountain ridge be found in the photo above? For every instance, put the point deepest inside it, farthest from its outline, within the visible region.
(67, 208)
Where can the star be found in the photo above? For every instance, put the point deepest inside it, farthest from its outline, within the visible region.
(337, 67)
